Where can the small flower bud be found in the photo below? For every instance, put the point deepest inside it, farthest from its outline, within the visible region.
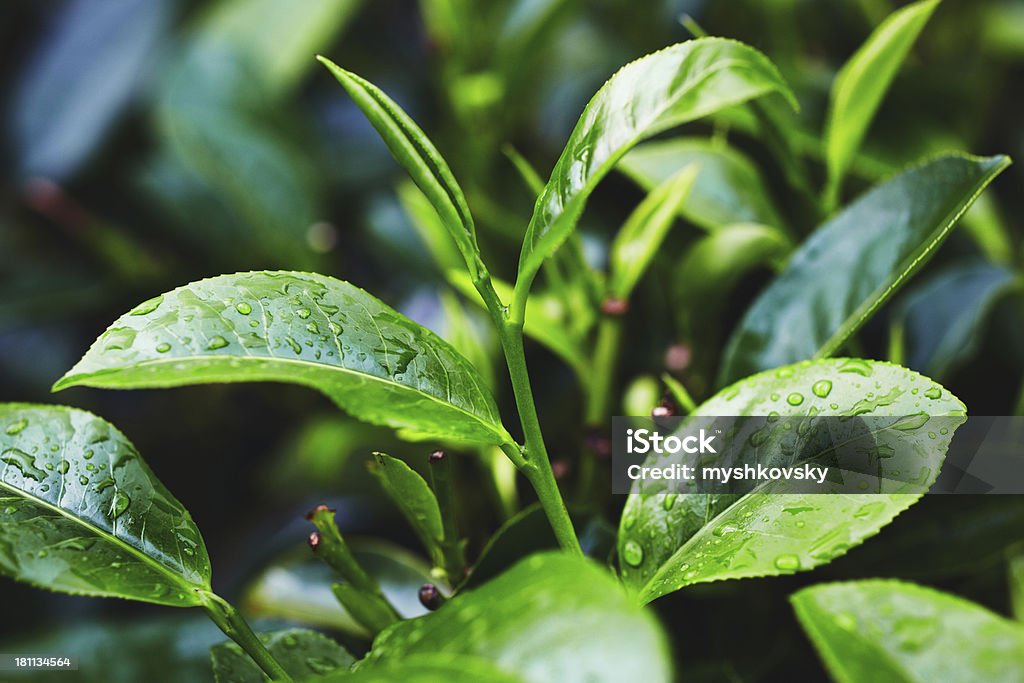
(430, 596)
(437, 456)
(665, 409)
(314, 540)
(560, 468)
(319, 508)
(613, 306)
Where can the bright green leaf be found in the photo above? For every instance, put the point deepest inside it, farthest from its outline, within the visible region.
(894, 631)
(862, 82)
(621, 641)
(304, 329)
(429, 668)
(428, 225)
(300, 652)
(728, 190)
(643, 232)
(413, 496)
(418, 156)
(709, 537)
(657, 92)
(81, 513)
(853, 263)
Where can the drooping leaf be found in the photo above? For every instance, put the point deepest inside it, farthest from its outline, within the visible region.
(861, 84)
(853, 263)
(413, 496)
(896, 631)
(944, 318)
(527, 622)
(419, 157)
(708, 537)
(300, 652)
(643, 232)
(729, 188)
(304, 329)
(81, 513)
(657, 92)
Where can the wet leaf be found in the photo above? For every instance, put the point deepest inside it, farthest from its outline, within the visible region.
(300, 652)
(708, 537)
(81, 513)
(304, 329)
(895, 631)
(854, 263)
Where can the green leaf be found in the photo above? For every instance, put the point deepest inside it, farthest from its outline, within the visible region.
(643, 232)
(418, 156)
(527, 621)
(413, 496)
(944, 318)
(729, 188)
(852, 264)
(81, 513)
(767, 533)
(1016, 576)
(894, 631)
(300, 652)
(428, 225)
(657, 92)
(428, 668)
(304, 329)
(861, 84)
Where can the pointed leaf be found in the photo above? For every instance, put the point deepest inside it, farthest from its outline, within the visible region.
(895, 631)
(657, 92)
(851, 265)
(418, 156)
(621, 641)
(641, 236)
(728, 190)
(766, 533)
(81, 513)
(304, 329)
(413, 496)
(300, 652)
(861, 84)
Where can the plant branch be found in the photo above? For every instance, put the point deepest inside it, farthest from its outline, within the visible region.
(228, 620)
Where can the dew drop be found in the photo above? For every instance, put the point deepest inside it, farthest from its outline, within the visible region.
(118, 339)
(669, 501)
(119, 504)
(303, 313)
(822, 388)
(23, 462)
(795, 399)
(787, 562)
(16, 427)
(243, 308)
(933, 393)
(147, 307)
(217, 342)
(633, 553)
(163, 347)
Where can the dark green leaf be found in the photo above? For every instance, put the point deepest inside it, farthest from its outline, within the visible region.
(301, 328)
(418, 156)
(81, 513)
(729, 188)
(300, 652)
(851, 265)
(527, 621)
(413, 496)
(1016, 576)
(657, 92)
(861, 84)
(643, 232)
(708, 537)
(894, 631)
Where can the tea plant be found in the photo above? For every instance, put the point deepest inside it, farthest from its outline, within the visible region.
(83, 514)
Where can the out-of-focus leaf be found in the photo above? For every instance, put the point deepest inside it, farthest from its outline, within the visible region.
(854, 263)
(944, 318)
(729, 188)
(472, 337)
(428, 668)
(1016, 577)
(697, 538)
(861, 84)
(299, 328)
(86, 70)
(303, 654)
(641, 236)
(621, 641)
(983, 223)
(895, 631)
(428, 226)
(657, 92)
(413, 496)
(81, 513)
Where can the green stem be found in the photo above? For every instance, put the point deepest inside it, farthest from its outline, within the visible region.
(451, 546)
(235, 627)
(533, 460)
(603, 366)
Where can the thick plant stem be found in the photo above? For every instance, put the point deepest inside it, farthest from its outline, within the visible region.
(229, 621)
(535, 462)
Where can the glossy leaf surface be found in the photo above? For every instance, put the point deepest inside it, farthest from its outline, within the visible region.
(853, 263)
(300, 652)
(527, 622)
(657, 92)
(413, 496)
(81, 513)
(667, 542)
(895, 631)
(304, 329)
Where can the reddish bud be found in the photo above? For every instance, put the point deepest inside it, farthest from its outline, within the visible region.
(613, 306)
(430, 596)
(678, 357)
(560, 468)
(437, 456)
(314, 541)
(319, 508)
(665, 409)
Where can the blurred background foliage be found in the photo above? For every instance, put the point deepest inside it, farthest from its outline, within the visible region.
(149, 143)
